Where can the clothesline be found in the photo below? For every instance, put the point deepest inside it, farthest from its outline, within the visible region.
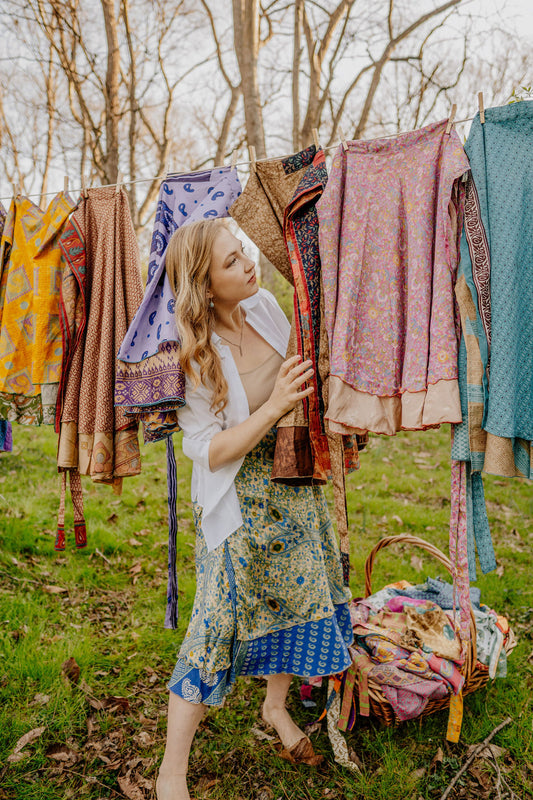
(203, 169)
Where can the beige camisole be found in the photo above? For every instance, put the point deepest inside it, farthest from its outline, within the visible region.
(259, 381)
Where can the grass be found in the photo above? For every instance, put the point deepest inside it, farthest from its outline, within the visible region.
(104, 607)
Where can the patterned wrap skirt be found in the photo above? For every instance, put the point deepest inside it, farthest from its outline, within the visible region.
(270, 599)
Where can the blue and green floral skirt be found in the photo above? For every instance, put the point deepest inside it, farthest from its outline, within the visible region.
(270, 599)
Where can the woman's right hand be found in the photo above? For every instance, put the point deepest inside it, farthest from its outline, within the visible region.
(287, 390)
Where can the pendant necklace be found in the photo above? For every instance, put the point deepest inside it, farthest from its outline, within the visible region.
(234, 344)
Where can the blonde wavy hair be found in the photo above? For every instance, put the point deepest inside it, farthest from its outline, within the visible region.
(188, 258)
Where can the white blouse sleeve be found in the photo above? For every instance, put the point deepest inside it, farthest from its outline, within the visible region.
(213, 490)
(198, 423)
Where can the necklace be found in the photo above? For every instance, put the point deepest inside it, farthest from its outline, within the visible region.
(234, 344)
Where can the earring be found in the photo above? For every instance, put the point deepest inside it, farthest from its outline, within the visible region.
(211, 304)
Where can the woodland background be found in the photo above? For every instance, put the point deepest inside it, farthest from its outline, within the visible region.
(144, 86)
(91, 87)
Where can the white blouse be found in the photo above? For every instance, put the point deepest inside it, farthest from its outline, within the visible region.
(214, 490)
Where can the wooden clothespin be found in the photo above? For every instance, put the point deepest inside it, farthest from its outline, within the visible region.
(119, 182)
(83, 187)
(315, 138)
(451, 118)
(234, 157)
(65, 184)
(253, 158)
(343, 139)
(481, 107)
(167, 169)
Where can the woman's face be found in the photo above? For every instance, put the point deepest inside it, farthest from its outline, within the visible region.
(231, 273)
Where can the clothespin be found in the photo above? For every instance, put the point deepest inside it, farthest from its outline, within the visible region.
(234, 157)
(343, 139)
(315, 138)
(119, 182)
(481, 107)
(83, 186)
(451, 118)
(253, 158)
(167, 170)
(65, 184)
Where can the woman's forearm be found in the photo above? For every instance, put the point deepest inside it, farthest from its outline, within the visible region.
(236, 442)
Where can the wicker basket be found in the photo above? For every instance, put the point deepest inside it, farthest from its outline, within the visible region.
(475, 674)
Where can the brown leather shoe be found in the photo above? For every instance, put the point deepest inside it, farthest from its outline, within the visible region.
(302, 753)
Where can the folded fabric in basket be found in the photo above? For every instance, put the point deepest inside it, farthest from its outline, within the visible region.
(437, 590)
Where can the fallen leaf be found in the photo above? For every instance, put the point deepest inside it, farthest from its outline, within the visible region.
(54, 589)
(143, 739)
(14, 758)
(480, 776)
(130, 789)
(417, 563)
(40, 699)
(397, 519)
(489, 751)
(264, 793)
(438, 758)
(20, 633)
(63, 753)
(143, 532)
(112, 518)
(352, 755)
(261, 735)
(313, 727)
(28, 738)
(112, 703)
(135, 571)
(500, 570)
(133, 542)
(71, 670)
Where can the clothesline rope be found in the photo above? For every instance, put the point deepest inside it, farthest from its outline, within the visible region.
(218, 166)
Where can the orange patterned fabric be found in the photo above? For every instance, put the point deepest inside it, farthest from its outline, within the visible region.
(101, 291)
(30, 335)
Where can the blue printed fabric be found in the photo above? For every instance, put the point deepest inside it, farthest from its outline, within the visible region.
(314, 649)
(501, 155)
(6, 436)
(439, 592)
(182, 199)
(495, 293)
(271, 598)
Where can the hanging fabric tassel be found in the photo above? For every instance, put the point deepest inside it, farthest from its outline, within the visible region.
(171, 615)
(60, 535)
(80, 528)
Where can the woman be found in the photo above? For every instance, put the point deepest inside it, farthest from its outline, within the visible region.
(270, 600)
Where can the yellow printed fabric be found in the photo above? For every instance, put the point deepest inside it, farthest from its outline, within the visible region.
(30, 335)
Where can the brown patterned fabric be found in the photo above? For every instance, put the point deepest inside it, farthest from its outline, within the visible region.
(278, 195)
(260, 208)
(95, 437)
(259, 212)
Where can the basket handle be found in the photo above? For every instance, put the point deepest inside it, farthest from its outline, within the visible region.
(407, 538)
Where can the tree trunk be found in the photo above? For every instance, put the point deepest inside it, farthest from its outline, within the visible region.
(112, 106)
(246, 41)
(296, 57)
(51, 111)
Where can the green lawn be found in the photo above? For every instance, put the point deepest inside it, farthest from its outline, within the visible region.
(104, 607)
